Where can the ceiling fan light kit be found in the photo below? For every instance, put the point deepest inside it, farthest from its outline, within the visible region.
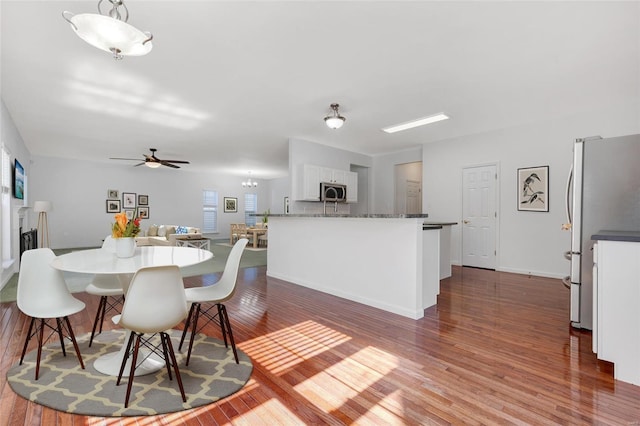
(334, 120)
(111, 32)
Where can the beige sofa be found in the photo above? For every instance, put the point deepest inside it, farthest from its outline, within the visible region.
(166, 235)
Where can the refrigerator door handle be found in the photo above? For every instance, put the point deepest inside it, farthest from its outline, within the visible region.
(568, 199)
(566, 281)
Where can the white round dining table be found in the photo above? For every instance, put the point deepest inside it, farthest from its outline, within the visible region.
(102, 261)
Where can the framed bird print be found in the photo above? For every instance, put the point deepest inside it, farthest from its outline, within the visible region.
(533, 189)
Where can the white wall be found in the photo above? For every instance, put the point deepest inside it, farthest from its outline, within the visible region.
(528, 242)
(384, 167)
(78, 191)
(279, 189)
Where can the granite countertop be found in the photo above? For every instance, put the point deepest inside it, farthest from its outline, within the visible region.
(630, 236)
(369, 215)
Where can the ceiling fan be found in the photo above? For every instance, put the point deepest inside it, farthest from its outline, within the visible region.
(153, 161)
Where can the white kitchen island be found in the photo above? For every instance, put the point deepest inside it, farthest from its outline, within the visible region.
(386, 261)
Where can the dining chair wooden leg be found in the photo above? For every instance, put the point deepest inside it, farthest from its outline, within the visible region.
(175, 363)
(187, 323)
(165, 354)
(74, 341)
(125, 357)
(222, 325)
(99, 317)
(225, 318)
(60, 336)
(132, 371)
(194, 329)
(40, 337)
(27, 339)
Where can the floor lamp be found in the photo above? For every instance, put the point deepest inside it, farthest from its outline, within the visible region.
(42, 207)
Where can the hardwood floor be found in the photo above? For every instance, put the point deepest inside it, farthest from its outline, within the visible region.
(497, 349)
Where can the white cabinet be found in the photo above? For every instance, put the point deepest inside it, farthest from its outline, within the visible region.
(617, 307)
(312, 176)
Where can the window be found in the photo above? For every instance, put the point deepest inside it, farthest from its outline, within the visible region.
(209, 211)
(250, 207)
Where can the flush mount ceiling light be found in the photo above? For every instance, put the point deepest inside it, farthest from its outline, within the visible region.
(110, 32)
(335, 120)
(249, 183)
(415, 123)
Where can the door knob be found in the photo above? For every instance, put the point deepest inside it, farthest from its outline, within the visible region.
(465, 221)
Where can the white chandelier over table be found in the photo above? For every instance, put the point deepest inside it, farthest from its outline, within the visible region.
(249, 183)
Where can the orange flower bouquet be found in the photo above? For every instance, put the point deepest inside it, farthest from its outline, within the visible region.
(124, 227)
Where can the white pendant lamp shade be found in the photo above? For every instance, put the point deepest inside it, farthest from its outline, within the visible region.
(111, 32)
(334, 121)
(42, 206)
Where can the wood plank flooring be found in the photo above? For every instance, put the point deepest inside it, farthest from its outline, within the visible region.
(497, 349)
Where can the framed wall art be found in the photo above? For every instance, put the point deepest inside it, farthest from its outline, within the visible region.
(113, 194)
(128, 200)
(533, 189)
(143, 200)
(143, 212)
(129, 214)
(230, 205)
(113, 206)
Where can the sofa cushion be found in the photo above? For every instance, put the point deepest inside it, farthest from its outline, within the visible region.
(162, 231)
(153, 231)
(170, 230)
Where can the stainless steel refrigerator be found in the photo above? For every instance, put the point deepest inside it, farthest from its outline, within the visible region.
(603, 193)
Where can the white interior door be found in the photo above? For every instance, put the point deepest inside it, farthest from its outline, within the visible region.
(479, 216)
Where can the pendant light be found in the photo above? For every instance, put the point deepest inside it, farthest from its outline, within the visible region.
(335, 120)
(110, 31)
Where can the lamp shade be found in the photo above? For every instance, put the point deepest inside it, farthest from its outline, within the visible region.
(42, 206)
(111, 35)
(334, 122)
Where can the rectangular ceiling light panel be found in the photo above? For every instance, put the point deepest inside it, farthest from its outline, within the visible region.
(415, 123)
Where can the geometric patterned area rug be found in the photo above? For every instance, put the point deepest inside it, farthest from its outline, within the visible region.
(63, 385)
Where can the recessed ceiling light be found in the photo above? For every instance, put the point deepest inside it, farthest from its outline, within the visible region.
(415, 123)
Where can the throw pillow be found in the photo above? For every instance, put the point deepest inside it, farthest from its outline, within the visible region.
(181, 230)
(153, 231)
(162, 231)
(170, 230)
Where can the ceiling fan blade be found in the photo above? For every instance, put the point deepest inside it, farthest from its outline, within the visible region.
(139, 164)
(176, 161)
(164, 163)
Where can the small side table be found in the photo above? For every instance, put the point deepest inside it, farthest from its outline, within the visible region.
(201, 243)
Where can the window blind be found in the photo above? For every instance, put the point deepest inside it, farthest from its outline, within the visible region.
(210, 211)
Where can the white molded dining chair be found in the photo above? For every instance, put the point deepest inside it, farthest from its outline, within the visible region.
(155, 303)
(43, 295)
(215, 294)
(109, 288)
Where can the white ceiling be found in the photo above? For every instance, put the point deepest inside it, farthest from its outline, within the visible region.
(229, 82)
